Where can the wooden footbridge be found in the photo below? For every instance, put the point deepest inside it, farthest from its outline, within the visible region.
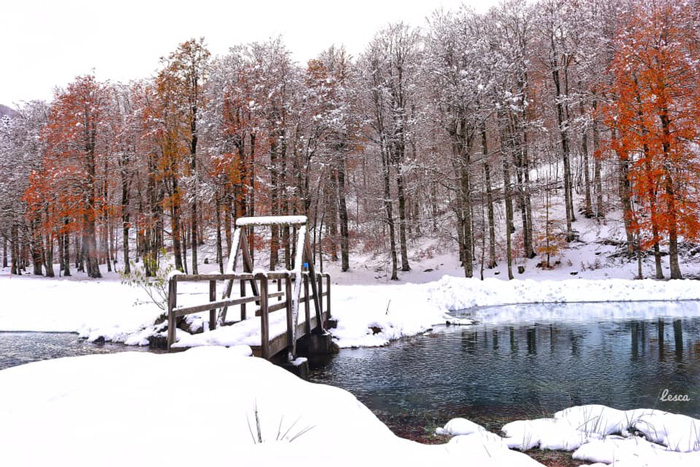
(299, 285)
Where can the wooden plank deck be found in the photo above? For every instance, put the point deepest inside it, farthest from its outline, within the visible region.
(270, 345)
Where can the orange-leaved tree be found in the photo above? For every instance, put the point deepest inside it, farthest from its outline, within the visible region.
(655, 117)
(181, 81)
(70, 177)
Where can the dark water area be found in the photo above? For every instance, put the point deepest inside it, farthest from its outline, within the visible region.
(524, 361)
(494, 373)
(17, 348)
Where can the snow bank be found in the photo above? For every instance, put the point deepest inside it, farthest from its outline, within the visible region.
(656, 436)
(206, 406)
(368, 315)
(460, 426)
(452, 293)
(64, 305)
(597, 434)
(633, 452)
(375, 315)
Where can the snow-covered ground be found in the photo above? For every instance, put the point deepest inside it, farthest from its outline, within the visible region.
(127, 409)
(217, 406)
(208, 406)
(109, 309)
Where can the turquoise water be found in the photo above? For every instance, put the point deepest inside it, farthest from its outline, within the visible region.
(525, 367)
(533, 367)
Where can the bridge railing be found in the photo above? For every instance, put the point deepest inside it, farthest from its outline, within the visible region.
(262, 298)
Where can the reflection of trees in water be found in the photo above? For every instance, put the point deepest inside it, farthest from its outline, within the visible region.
(621, 364)
(470, 340)
(678, 338)
(660, 338)
(532, 341)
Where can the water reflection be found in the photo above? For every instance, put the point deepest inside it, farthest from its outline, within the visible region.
(541, 365)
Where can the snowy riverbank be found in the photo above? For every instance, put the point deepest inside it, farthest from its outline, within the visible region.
(209, 406)
(114, 408)
(368, 315)
(217, 406)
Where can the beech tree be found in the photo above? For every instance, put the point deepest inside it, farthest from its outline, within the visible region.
(184, 74)
(75, 151)
(465, 132)
(460, 91)
(656, 118)
(335, 130)
(558, 55)
(21, 151)
(234, 138)
(390, 71)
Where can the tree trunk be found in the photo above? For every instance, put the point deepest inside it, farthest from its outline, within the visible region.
(528, 227)
(48, 263)
(597, 178)
(509, 214)
(588, 207)
(624, 190)
(467, 243)
(274, 205)
(175, 226)
(14, 246)
(228, 222)
(564, 137)
(65, 245)
(185, 234)
(400, 184)
(332, 222)
(388, 208)
(654, 215)
(193, 237)
(670, 198)
(37, 246)
(219, 249)
(89, 247)
(4, 252)
(126, 220)
(489, 202)
(343, 214)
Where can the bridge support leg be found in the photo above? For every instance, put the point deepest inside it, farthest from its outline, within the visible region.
(316, 344)
(299, 366)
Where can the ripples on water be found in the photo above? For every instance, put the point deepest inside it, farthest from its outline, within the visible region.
(17, 348)
(537, 366)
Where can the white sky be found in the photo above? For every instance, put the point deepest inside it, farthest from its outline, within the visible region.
(47, 43)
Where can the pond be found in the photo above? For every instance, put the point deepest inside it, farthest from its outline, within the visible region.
(523, 361)
(17, 348)
(529, 361)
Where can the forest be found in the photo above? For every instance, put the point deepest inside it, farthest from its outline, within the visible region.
(493, 131)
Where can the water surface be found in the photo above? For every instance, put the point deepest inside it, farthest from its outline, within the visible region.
(17, 348)
(555, 356)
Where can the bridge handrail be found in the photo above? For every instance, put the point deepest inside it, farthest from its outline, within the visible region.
(263, 300)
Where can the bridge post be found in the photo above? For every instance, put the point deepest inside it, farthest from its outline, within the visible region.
(212, 312)
(243, 294)
(290, 318)
(172, 304)
(319, 300)
(328, 294)
(264, 316)
(307, 307)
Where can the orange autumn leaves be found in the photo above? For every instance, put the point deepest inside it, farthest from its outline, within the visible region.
(65, 194)
(654, 112)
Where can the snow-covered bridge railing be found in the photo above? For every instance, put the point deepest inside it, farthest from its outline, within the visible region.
(288, 294)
